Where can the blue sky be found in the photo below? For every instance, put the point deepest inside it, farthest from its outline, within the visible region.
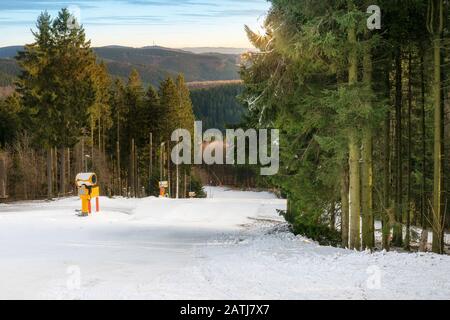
(137, 23)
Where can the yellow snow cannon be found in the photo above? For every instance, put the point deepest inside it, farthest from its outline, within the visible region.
(88, 189)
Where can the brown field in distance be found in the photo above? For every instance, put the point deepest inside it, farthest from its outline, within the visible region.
(211, 84)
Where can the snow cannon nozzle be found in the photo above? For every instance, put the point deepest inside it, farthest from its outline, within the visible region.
(87, 179)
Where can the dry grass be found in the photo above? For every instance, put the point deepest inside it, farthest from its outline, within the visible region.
(211, 84)
(6, 91)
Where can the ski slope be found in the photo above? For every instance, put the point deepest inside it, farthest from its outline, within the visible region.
(233, 245)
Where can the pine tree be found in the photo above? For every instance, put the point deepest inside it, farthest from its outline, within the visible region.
(186, 113)
(13, 119)
(100, 116)
(170, 106)
(56, 84)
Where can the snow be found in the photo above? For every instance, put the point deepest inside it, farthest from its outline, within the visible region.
(232, 245)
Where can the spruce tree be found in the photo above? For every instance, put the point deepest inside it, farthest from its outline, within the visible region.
(57, 84)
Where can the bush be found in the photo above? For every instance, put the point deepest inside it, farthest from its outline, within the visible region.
(319, 232)
(323, 234)
(197, 187)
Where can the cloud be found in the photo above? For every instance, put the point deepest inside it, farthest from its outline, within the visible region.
(53, 5)
(226, 13)
(44, 5)
(178, 16)
(126, 20)
(171, 3)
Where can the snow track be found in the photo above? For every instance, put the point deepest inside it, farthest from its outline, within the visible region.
(232, 245)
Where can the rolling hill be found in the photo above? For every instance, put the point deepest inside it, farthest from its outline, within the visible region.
(217, 50)
(153, 63)
(9, 52)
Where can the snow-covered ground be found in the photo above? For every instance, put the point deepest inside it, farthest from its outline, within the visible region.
(232, 245)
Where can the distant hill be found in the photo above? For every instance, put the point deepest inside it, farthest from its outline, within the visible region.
(212, 77)
(153, 63)
(9, 52)
(221, 50)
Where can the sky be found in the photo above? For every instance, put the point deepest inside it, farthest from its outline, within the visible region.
(138, 23)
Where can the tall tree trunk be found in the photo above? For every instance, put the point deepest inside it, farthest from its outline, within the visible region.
(62, 173)
(435, 26)
(409, 154)
(446, 146)
(398, 226)
(423, 200)
(69, 173)
(438, 234)
(387, 205)
(345, 207)
(55, 170)
(83, 156)
(136, 172)
(92, 144)
(368, 222)
(386, 228)
(354, 193)
(424, 218)
(2, 177)
(132, 170)
(100, 134)
(367, 191)
(49, 173)
(161, 163)
(150, 169)
(185, 183)
(169, 177)
(119, 172)
(177, 192)
(354, 155)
